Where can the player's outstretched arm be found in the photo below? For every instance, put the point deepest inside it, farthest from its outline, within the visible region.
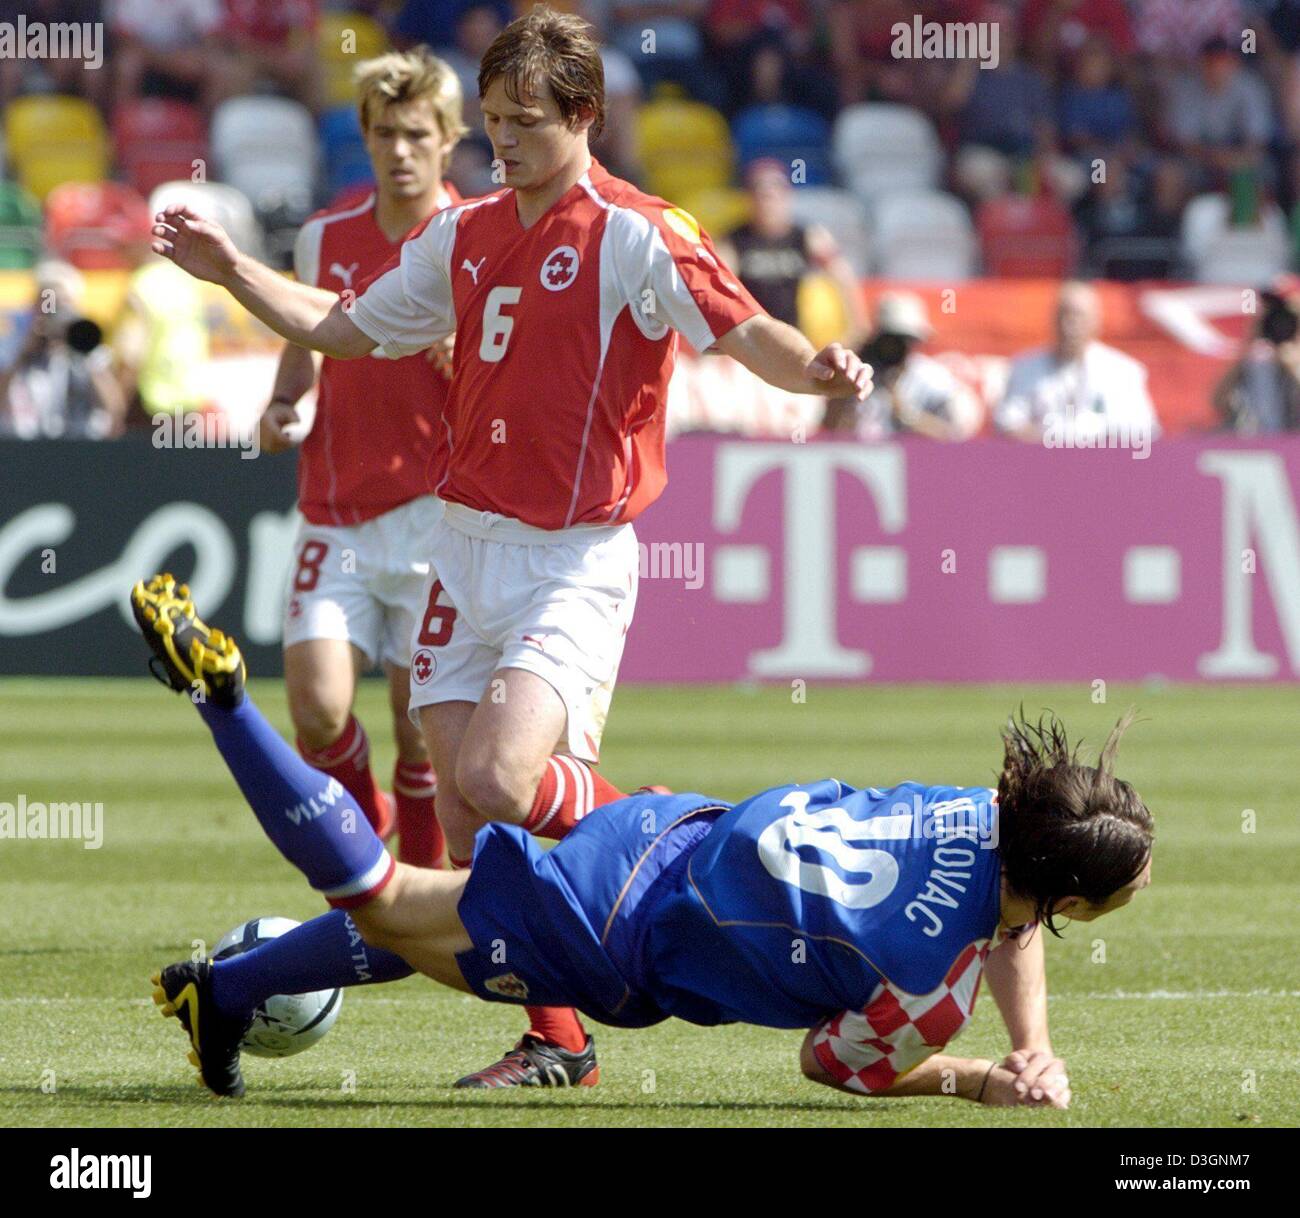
(783, 357)
(965, 1078)
(308, 316)
(1016, 971)
(295, 374)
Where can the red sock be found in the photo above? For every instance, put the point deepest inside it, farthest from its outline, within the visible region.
(458, 864)
(568, 791)
(348, 760)
(558, 1026)
(419, 836)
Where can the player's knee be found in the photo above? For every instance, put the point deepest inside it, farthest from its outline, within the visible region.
(319, 721)
(492, 791)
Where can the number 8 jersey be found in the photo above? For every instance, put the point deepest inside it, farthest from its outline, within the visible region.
(808, 900)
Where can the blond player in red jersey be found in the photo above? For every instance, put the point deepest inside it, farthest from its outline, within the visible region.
(365, 476)
(567, 292)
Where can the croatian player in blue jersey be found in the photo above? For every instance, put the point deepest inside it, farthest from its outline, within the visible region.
(865, 916)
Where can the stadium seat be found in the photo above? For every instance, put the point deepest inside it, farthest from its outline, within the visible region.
(1129, 259)
(1027, 238)
(158, 140)
(790, 134)
(1220, 253)
(719, 209)
(20, 228)
(91, 224)
(683, 146)
(343, 40)
(842, 215)
(266, 148)
(347, 163)
(822, 318)
(923, 234)
(51, 139)
(217, 201)
(881, 147)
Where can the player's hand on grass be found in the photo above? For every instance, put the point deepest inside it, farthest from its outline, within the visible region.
(1040, 1078)
(841, 373)
(272, 433)
(200, 247)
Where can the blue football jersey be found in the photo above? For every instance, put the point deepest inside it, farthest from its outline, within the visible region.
(803, 899)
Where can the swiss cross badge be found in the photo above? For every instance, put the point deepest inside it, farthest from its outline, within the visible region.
(560, 268)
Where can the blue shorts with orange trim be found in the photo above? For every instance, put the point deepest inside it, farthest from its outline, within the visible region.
(565, 927)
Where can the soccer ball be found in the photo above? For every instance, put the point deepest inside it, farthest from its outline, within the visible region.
(284, 1024)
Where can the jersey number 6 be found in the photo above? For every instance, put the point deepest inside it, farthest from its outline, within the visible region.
(497, 325)
(832, 833)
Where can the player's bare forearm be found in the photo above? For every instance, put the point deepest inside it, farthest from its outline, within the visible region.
(781, 356)
(1016, 972)
(294, 375)
(940, 1074)
(306, 316)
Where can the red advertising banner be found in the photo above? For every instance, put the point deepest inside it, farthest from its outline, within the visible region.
(1184, 334)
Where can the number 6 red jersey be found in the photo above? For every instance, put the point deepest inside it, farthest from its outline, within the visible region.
(566, 335)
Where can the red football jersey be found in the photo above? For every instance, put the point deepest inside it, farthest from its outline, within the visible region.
(566, 335)
(379, 439)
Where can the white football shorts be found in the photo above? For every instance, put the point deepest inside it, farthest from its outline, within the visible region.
(363, 583)
(502, 594)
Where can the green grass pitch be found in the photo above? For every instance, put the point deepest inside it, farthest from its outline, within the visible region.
(1190, 1019)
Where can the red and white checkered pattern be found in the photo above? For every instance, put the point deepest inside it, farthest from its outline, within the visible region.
(868, 1050)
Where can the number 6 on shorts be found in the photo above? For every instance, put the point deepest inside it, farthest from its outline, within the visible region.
(435, 629)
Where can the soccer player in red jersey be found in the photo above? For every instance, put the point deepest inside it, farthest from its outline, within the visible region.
(365, 477)
(567, 291)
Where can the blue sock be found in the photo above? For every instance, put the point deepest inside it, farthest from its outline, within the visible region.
(326, 952)
(309, 816)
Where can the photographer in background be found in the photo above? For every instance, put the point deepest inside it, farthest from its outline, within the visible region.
(1260, 392)
(60, 383)
(913, 391)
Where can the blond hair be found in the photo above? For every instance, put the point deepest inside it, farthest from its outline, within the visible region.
(403, 76)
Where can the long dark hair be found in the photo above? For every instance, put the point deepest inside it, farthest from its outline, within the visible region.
(1065, 828)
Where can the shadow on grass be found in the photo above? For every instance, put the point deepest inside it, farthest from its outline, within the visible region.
(192, 1097)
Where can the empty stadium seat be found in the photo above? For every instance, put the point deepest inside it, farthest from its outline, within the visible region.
(683, 146)
(158, 140)
(1220, 253)
(719, 209)
(20, 228)
(789, 134)
(881, 147)
(923, 234)
(842, 214)
(1022, 237)
(347, 163)
(215, 201)
(51, 139)
(343, 40)
(91, 224)
(266, 148)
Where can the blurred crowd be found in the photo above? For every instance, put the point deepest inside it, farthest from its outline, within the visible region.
(1075, 139)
